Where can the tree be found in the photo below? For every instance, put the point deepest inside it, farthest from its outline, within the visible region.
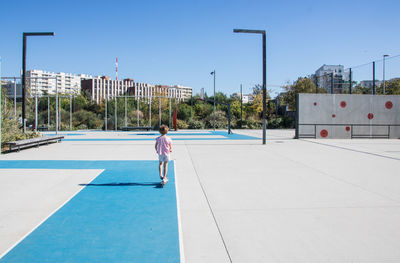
(184, 112)
(257, 89)
(392, 87)
(235, 108)
(257, 105)
(302, 85)
(80, 102)
(361, 90)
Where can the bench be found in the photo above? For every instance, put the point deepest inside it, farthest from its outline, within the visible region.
(33, 142)
(132, 128)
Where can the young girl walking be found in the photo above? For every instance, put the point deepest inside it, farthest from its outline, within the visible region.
(163, 148)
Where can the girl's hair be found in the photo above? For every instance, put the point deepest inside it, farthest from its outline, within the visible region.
(163, 129)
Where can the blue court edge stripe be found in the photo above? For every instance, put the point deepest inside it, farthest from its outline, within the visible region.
(123, 215)
(152, 139)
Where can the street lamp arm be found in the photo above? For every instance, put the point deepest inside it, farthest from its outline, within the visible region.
(38, 33)
(251, 31)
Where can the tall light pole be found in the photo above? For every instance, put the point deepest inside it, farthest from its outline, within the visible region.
(24, 35)
(264, 56)
(384, 56)
(213, 73)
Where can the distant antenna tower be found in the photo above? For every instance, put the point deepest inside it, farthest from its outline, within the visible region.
(116, 68)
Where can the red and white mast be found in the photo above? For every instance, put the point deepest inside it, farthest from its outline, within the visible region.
(116, 68)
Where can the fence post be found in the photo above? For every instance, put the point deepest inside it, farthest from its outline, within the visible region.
(70, 112)
(170, 112)
(105, 115)
(59, 109)
(15, 97)
(36, 103)
(159, 111)
(137, 111)
(56, 107)
(351, 81)
(297, 117)
(150, 111)
(48, 111)
(125, 117)
(115, 113)
(373, 78)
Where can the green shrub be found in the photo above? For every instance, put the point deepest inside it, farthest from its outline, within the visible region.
(221, 121)
(184, 112)
(87, 118)
(195, 124)
(181, 124)
(251, 124)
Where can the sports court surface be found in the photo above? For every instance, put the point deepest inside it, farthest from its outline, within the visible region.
(96, 197)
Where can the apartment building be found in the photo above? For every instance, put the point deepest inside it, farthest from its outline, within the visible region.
(370, 83)
(104, 87)
(185, 92)
(44, 82)
(328, 74)
(176, 92)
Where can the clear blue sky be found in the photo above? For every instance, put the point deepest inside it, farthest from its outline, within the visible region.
(181, 42)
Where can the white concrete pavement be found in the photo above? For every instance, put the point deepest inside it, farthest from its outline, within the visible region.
(286, 201)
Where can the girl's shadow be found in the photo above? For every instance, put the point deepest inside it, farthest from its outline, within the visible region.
(155, 185)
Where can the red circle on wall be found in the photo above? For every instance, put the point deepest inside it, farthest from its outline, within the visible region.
(333, 115)
(347, 128)
(324, 133)
(370, 116)
(343, 104)
(315, 104)
(388, 105)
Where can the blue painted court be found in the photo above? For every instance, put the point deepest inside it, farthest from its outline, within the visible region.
(123, 215)
(150, 136)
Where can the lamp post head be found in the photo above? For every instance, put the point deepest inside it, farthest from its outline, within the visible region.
(385, 56)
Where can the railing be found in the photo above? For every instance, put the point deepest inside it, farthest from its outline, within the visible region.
(352, 134)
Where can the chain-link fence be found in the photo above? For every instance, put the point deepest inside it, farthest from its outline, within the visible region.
(380, 77)
(48, 110)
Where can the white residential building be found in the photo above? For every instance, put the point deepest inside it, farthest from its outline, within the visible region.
(104, 87)
(246, 98)
(185, 92)
(40, 82)
(323, 77)
(370, 83)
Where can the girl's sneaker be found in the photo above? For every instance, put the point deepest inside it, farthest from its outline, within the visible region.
(165, 181)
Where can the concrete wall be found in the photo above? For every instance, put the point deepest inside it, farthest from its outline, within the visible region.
(344, 116)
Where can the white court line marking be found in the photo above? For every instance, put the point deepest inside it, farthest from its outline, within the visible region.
(182, 254)
(29, 232)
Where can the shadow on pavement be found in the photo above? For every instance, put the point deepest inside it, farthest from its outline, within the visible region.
(155, 185)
